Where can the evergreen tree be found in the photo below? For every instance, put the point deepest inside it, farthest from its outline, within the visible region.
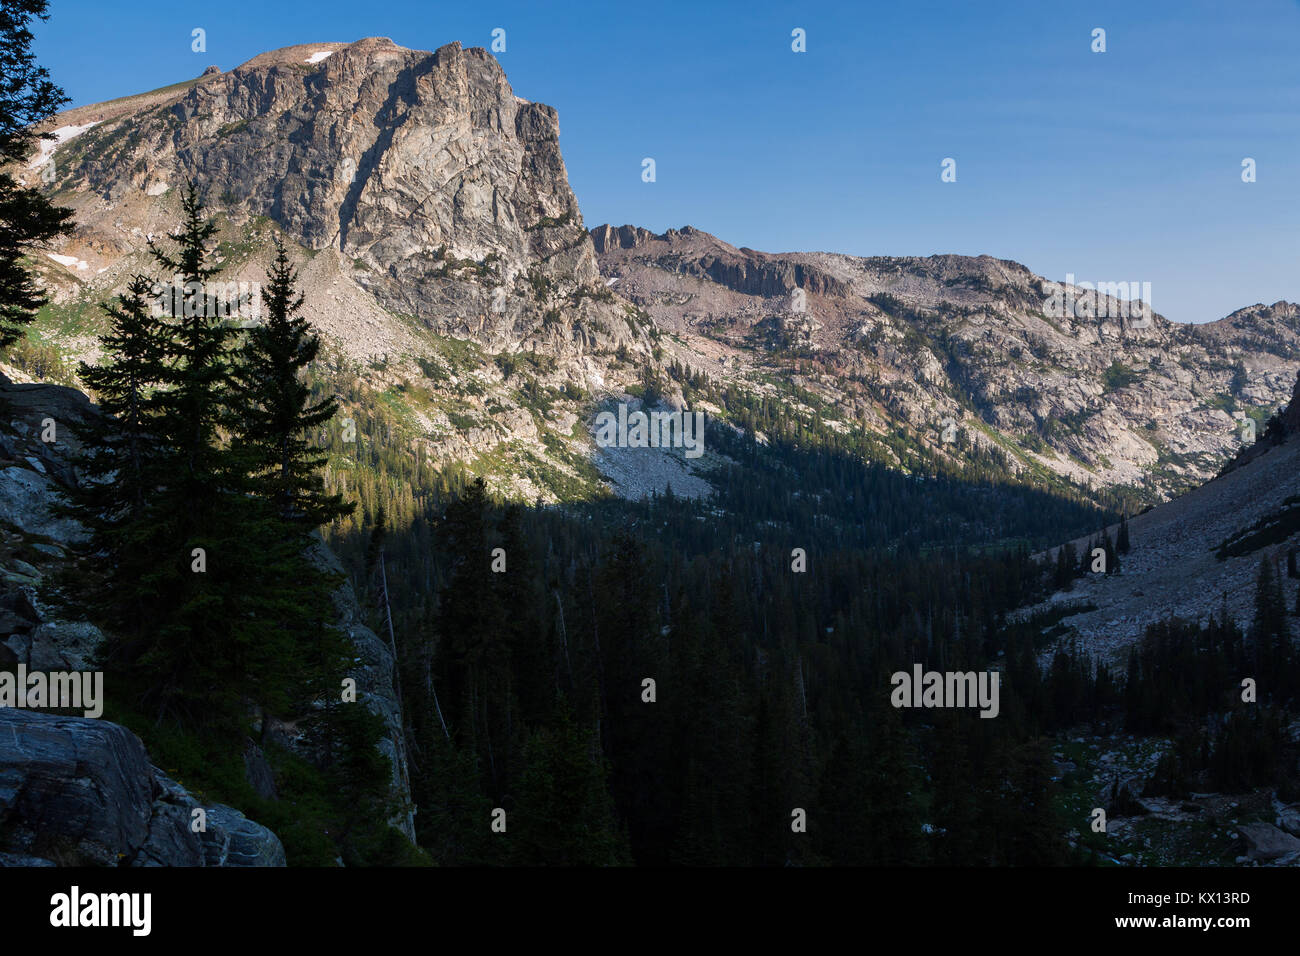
(196, 403)
(230, 612)
(1066, 567)
(276, 411)
(1269, 629)
(1122, 544)
(123, 458)
(1112, 557)
(1030, 833)
(955, 810)
(27, 218)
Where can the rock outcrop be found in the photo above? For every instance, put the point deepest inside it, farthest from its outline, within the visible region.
(80, 792)
(1266, 843)
(425, 200)
(444, 194)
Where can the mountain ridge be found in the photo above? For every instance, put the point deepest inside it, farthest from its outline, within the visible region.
(968, 339)
(429, 212)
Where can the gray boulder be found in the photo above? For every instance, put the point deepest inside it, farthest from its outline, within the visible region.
(18, 859)
(72, 790)
(231, 839)
(81, 792)
(1265, 842)
(64, 645)
(1288, 819)
(25, 500)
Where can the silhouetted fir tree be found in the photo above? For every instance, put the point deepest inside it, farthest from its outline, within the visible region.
(276, 413)
(235, 614)
(191, 664)
(526, 637)
(359, 775)
(1269, 630)
(122, 460)
(890, 799)
(841, 833)
(1122, 543)
(454, 822)
(1067, 563)
(28, 219)
(196, 402)
(375, 544)
(470, 637)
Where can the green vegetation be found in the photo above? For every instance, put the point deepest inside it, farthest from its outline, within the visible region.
(1118, 376)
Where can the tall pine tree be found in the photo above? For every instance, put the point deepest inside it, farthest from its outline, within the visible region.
(276, 411)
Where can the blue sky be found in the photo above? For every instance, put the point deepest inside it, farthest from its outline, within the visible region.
(1115, 166)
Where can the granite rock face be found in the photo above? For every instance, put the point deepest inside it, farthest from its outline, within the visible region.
(79, 792)
(424, 172)
(421, 195)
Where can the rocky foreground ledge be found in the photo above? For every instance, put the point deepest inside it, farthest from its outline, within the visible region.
(81, 792)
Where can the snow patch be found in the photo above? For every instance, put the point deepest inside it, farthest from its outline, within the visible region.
(72, 262)
(318, 56)
(61, 136)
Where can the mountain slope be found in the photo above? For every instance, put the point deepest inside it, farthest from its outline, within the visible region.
(1191, 557)
(916, 342)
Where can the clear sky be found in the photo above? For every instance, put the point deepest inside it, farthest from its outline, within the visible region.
(1116, 166)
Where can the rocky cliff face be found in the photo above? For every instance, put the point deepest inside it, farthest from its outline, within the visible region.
(442, 194)
(1099, 397)
(81, 792)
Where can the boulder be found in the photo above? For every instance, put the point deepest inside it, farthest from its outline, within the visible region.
(1288, 819)
(171, 840)
(231, 839)
(81, 792)
(18, 859)
(25, 500)
(1266, 842)
(64, 646)
(72, 790)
